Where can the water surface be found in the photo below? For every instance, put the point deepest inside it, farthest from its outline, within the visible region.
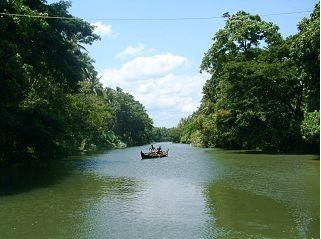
(194, 193)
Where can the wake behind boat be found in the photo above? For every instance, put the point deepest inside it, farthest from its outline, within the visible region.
(153, 153)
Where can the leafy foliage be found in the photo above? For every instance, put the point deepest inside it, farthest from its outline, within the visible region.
(52, 103)
(305, 52)
(311, 130)
(162, 134)
(259, 88)
(132, 123)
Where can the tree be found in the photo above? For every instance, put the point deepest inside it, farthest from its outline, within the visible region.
(132, 123)
(263, 91)
(311, 131)
(89, 123)
(305, 52)
(253, 98)
(52, 103)
(43, 59)
(242, 38)
(161, 134)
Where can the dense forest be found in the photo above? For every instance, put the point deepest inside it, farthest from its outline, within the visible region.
(264, 90)
(52, 103)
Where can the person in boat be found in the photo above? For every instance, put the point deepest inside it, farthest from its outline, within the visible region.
(152, 148)
(159, 150)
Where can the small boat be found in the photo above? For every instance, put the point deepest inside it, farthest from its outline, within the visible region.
(154, 154)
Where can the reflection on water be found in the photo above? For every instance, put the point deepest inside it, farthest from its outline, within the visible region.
(57, 207)
(264, 196)
(18, 179)
(241, 214)
(194, 193)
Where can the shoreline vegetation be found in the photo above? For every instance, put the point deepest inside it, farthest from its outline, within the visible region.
(52, 103)
(263, 92)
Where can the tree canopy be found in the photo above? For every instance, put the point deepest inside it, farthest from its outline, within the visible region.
(263, 91)
(261, 87)
(52, 103)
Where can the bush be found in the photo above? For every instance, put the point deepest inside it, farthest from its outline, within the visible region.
(310, 130)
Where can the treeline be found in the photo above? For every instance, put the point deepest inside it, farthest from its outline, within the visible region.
(52, 103)
(264, 90)
(163, 134)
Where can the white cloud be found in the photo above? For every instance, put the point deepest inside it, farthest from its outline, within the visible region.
(151, 80)
(102, 29)
(131, 51)
(142, 68)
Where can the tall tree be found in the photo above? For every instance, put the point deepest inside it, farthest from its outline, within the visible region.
(243, 38)
(42, 60)
(263, 91)
(132, 123)
(250, 99)
(305, 52)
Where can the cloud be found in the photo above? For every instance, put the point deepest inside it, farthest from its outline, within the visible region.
(152, 80)
(102, 29)
(142, 68)
(131, 51)
(181, 93)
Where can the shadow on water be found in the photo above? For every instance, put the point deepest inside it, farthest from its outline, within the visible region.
(60, 200)
(22, 178)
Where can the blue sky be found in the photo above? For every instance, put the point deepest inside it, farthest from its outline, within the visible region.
(158, 61)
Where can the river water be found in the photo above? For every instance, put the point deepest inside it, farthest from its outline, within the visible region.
(194, 193)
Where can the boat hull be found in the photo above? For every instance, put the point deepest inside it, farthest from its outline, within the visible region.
(153, 155)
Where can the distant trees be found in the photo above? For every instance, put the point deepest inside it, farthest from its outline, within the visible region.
(132, 123)
(162, 134)
(262, 87)
(52, 103)
(108, 119)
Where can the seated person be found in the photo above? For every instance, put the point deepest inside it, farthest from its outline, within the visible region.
(152, 148)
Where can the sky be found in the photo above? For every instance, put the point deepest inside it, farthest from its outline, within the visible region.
(158, 61)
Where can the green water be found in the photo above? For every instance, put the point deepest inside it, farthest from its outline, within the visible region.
(194, 193)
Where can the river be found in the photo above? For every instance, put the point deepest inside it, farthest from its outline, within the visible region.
(194, 193)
